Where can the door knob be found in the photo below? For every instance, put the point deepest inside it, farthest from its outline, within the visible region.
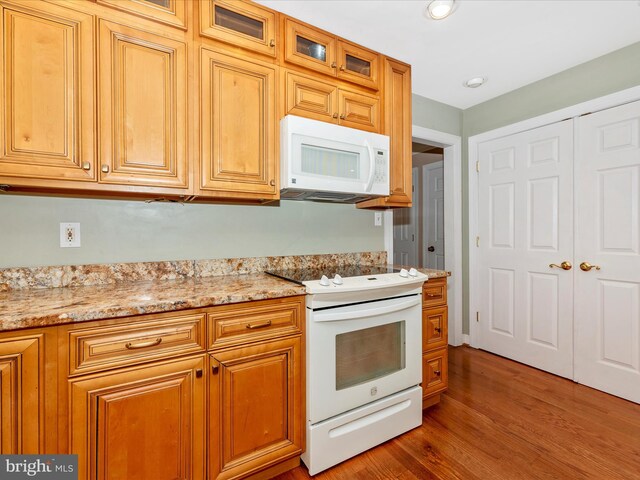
(431, 248)
(564, 265)
(585, 266)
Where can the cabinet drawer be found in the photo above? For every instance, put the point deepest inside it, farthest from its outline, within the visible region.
(434, 328)
(434, 292)
(435, 376)
(248, 322)
(109, 346)
(311, 98)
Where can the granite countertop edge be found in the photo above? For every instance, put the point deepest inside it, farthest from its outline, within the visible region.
(32, 308)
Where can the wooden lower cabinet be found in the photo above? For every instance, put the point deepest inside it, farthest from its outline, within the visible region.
(256, 407)
(28, 400)
(141, 423)
(435, 377)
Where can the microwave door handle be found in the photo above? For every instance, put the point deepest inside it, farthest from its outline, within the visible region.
(372, 163)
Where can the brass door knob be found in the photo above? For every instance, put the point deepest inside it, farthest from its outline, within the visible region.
(585, 267)
(564, 265)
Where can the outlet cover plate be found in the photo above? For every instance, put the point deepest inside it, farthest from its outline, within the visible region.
(69, 235)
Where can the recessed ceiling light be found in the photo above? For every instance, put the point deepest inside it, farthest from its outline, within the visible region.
(475, 82)
(439, 9)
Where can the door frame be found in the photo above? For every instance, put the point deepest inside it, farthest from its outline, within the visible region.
(601, 103)
(452, 222)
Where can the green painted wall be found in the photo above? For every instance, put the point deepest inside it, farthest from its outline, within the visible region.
(134, 231)
(610, 73)
(428, 113)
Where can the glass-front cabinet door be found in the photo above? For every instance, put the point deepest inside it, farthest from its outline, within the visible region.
(170, 12)
(240, 23)
(311, 48)
(358, 65)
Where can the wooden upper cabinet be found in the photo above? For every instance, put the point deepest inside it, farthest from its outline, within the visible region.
(238, 151)
(29, 396)
(397, 124)
(240, 23)
(169, 12)
(309, 47)
(359, 110)
(256, 407)
(140, 423)
(310, 97)
(358, 65)
(47, 105)
(143, 108)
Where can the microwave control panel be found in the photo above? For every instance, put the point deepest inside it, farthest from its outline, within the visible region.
(381, 166)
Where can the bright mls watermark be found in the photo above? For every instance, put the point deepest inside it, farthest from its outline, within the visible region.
(50, 467)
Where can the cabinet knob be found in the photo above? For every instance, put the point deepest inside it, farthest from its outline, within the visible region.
(104, 168)
(199, 373)
(214, 369)
(335, 115)
(272, 183)
(272, 43)
(342, 117)
(342, 69)
(436, 373)
(334, 65)
(437, 330)
(86, 165)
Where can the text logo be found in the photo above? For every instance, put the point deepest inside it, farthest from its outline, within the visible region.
(50, 467)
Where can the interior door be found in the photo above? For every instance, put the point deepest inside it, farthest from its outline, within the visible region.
(607, 333)
(433, 243)
(525, 225)
(405, 246)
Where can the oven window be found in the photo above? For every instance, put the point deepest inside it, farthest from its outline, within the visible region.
(367, 354)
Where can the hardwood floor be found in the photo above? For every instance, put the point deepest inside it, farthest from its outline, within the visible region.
(504, 420)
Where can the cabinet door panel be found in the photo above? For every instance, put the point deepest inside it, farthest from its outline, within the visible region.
(140, 423)
(242, 24)
(309, 47)
(435, 372)
(238, 150)
(359, 111)
(47, 107)
(143, 108)
(255, 406)
(310, 98)
(358, 65)
(170, 12)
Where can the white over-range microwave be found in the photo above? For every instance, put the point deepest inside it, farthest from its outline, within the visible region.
(326, 162)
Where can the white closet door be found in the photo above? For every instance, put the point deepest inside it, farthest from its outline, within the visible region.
(433, 206)
(525, 224)
(607, 322)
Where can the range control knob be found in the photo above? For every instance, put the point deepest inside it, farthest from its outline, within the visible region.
(324, 281)
(404, 273)
(413, 272)
(337, 280)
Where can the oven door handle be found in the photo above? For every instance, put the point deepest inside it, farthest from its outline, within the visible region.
(368, 312)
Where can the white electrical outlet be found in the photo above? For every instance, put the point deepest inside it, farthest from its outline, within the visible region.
(69, 235)
(377, 219)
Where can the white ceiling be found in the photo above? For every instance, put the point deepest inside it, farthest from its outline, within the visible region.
(511, 42)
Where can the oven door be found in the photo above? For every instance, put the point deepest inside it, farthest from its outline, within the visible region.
(357, 354)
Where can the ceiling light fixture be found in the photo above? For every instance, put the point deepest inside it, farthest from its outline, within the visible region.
(475, 82)
(439, 9)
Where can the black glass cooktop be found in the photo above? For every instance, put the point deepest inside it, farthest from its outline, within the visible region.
(303, 274)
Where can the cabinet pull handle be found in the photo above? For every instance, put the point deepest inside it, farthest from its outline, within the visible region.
(199, 373)
(272, 43)
(105, 168)
(252, 326)
(272, 183)
(334, 65)
(432, 295)
(436, 373)
(152, 343)
(86, 165)
(437, 329)
(335, 115)
(214, 369)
